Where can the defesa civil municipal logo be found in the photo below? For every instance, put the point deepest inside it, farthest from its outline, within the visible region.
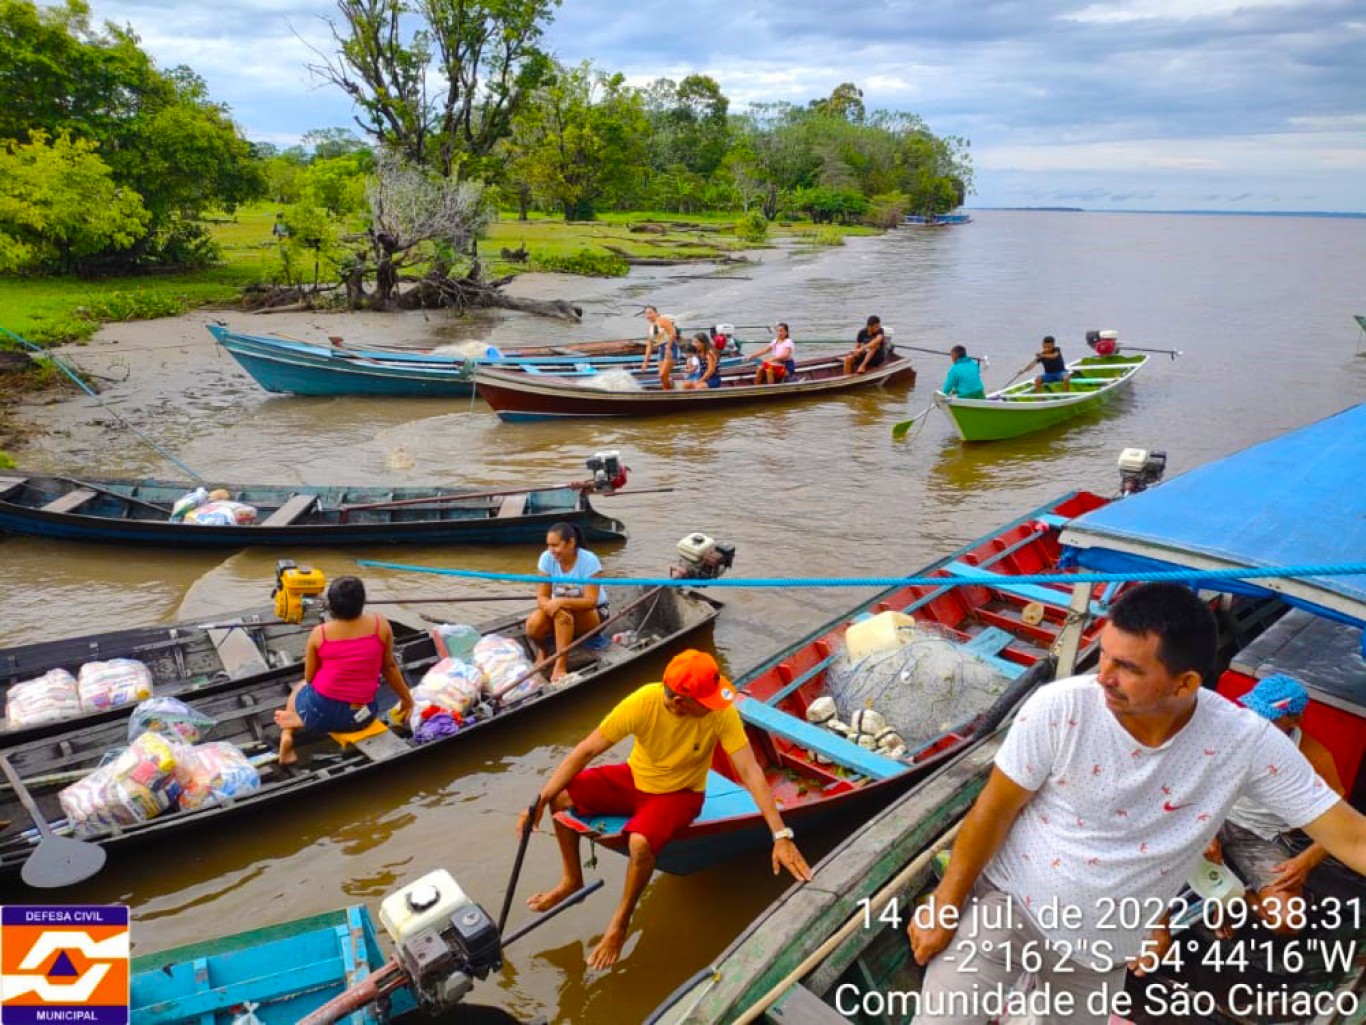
(64, 964)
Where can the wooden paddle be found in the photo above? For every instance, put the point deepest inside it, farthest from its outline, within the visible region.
(900, 430)
(527, 827)
(58, 860)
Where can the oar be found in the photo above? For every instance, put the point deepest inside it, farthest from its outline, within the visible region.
(900, 430)
(1173, 353)
(547, 662)
(517, 862)
(982, 361)
(443, 601)
(58, 860)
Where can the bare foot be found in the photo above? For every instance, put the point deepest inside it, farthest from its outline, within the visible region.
(608, 950)
(288, 759)
(546, 901)
(560, 672)
(287, 720)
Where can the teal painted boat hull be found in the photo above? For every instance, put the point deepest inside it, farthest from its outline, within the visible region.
(287, 970)
(1017, 410)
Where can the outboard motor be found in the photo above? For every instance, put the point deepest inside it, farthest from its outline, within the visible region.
(297, 590)
(721, 336)
(1104, 343)
(1139, 469)
(702, 558)
(608, 472)
(444, 940)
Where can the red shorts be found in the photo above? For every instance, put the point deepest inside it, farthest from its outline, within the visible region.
(778, 370)
(611, 790)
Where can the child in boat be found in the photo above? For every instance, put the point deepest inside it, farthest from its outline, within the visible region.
(664, 333)
(782, 361)
(704, 364)
(870, 348)
(1054, 366)
(342, 667)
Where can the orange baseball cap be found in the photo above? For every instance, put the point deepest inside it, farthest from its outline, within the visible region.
(695, 674)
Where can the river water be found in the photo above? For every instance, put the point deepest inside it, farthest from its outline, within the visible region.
(1260, 307)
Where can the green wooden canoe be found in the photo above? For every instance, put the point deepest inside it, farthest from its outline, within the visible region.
(1011, 412)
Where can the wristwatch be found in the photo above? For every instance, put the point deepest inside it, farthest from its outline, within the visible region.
(783, 834)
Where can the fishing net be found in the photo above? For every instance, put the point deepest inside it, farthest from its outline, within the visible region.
(924, 688)
(610, 380)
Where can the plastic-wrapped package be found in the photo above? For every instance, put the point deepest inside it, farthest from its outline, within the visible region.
(185, 503)
(170, 717)
(459, 638)
(48, 698)
(450, 684)
(503, 662)
(120, 681)
(208, 773)
(136, 785)
(222, 513)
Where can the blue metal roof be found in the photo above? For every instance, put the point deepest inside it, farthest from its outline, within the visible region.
(1297, 500)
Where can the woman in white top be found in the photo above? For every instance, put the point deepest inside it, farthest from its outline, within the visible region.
(782, 361)
(568, 605)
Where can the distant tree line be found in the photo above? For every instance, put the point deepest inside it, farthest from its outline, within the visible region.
(107, 162)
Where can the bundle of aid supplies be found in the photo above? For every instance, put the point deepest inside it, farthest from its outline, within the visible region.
(212, 509)
(476, 668)
(57, 695)
(164, 767)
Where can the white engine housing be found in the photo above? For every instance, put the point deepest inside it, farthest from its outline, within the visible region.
(429, 902)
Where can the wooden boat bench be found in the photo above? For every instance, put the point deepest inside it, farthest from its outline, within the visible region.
(8, 484)
(238, 652)
(69, 502)
(987, 646)
(725, 799)
(512, 506)
(840, 751)
(1001, 582)
(377, 742)
(295, 508)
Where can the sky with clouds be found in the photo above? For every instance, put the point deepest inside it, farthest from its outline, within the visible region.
(1116, 104)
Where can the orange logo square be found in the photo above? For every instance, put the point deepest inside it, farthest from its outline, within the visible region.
(64, 964)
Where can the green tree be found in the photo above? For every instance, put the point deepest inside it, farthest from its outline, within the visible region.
(327, 143)
(438, 82)
(336, 184)
(60, 207)
(689, 126)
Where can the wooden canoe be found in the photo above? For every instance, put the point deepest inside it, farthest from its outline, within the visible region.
(245, 716)
(116, 511)
(1011, 412)
(519, 397)
(816, 775)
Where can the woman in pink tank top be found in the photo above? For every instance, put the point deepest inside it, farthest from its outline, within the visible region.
(342, 667)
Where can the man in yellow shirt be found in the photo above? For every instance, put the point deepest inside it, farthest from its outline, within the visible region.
(661, 786)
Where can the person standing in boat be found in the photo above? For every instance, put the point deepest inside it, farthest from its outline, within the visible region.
(664, 333)
(1261, 846)
(870, 348)
(568, 603)
(782, 362)
(704, 364)
(1105, 793)
(345, 658)
(677, 725)
(965, 377)
(1054, 367)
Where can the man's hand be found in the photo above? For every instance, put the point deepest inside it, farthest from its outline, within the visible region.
(522, 826)
(1215, 851)
(786, 856)
(929, 940)
(1154, 949)
(1290, 875)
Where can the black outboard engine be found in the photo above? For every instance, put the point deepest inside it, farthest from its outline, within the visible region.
(702, 558)
(1139, 469)
(608, 472)
(444, 940)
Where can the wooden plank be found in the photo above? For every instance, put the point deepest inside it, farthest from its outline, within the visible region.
(802, 1007)
(294, 508)
(836, 748)
(238, 652)
(69, 502)
(513, 506)
(10, 483)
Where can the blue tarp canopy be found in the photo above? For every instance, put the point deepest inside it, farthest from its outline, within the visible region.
(1295, 501)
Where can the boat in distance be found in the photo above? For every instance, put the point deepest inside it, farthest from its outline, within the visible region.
(1019, 409)
(523, 397)
(136, 511)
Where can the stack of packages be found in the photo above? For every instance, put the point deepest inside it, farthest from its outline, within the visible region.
(57, 695)
(452, 688)
(212, 508)
(164, 766)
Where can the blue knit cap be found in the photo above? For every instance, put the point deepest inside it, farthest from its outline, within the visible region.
(1277, 696)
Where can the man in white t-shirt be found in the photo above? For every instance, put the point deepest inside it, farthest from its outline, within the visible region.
(1105, 793)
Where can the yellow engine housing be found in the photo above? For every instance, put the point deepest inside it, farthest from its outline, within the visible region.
(293, 586)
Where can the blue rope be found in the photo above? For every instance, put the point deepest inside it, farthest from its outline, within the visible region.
(87, 389)
(1180, 576)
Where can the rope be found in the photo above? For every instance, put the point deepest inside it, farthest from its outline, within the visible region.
(112, 412)
(1179, 576)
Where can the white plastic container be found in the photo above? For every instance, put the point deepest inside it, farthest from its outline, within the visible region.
(1215, 882)
(876, 634)
(426, 902)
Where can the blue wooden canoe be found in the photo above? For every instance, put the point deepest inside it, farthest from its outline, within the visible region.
(117, 511)
(287, 971)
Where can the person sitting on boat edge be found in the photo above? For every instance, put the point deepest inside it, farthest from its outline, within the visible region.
(568, 603)
(677, 725)
(1105, 792)
(870, 348)
(664, 332)
(782, 363)
(343, 663)
(964, 377)
(1260, 844)
(1054, 366)
(704, 364)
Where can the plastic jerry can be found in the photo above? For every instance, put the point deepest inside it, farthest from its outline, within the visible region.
(427, 902)
(876, 634)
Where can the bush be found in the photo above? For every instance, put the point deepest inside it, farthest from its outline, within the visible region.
(6, 461)
(887, 210)
(753, 227)
(588, 262)
(138, 305)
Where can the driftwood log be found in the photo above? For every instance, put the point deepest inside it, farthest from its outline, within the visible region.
(672, 261)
